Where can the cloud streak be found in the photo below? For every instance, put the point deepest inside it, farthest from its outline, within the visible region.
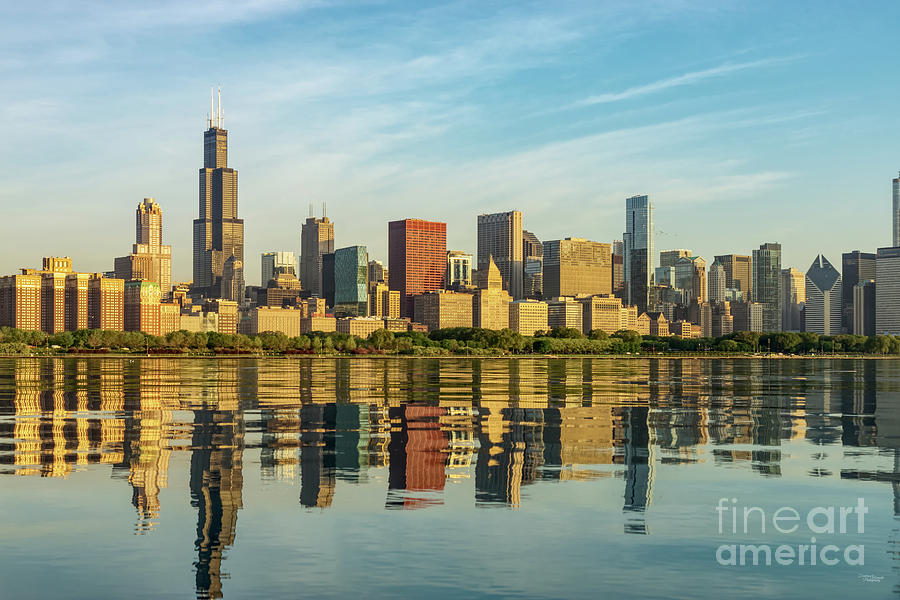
(690, 78)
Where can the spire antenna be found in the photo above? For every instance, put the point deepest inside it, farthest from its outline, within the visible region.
(220, 116)
(209, 115)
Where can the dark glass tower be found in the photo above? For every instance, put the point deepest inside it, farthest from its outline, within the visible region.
(218, 232)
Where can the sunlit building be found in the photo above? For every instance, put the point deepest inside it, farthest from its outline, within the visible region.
(574, 266)
(823, 298)
(528, 316)
(500, 238)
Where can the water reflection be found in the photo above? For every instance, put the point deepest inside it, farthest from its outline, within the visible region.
(504, 425)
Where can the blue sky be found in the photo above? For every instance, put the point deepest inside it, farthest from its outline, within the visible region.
(746, 122)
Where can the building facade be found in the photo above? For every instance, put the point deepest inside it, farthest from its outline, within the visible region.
(142, 306)
(459, 270)
(856, 266)
(793, 292)
(417, 258)
(441, 309)
(490, 302)
(887, 291)
(527, 317)
(500, 237)
(738, 273)
(275, 263)
(574, 266)
(717, 282)
(565, 312)
(864, 308)
(351, 282)
(533, 257)
(767, 284)
(638, 262)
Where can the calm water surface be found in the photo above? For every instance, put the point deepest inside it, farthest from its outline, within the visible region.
(494, 478)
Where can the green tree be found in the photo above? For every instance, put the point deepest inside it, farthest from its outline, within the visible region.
(382, 339)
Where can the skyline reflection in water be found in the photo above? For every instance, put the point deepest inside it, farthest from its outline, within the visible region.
(410, 430)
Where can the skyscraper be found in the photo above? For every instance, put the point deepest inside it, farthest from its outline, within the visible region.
(459, 270)
(417, 259)
(738, 273)
(887, 292)
(823, 298)
(717, 284)
(896, 214)
(500, 237)
(638, 238)
(533, 257)
(856, 267)
(793, 293)
(218, 232)
(316, 239)
(767, 284)
(668, 258)
(149, 259)
(351, 281)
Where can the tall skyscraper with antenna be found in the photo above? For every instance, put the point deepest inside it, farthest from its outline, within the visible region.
(218, 232)
(316, 240)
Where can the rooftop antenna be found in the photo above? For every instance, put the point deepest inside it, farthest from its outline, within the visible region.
(324, 214)
(209, 115)
(311, 210)
(220, 116)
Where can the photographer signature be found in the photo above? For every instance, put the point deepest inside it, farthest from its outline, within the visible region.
(871, 578)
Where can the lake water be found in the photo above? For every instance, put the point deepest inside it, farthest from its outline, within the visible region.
(477, 478)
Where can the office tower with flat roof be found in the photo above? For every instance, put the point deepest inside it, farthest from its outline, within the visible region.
(793, 291)
(459, 270)
(565, 312)
(638, 238)
(106, 303)
(887, 291)
(316, 240)
(500, 237)
(717, 284)
(441, 309)
(895, 217)
(864, 308)
(823, 298)
(738, 273)
(527, 317)
(668, 258)
(149, 260)
(690, 277)
(141, 302)
(856, 266)
(351, 282)
(327, 278)
(218, 232)
(76, 310)
(576, 266)
(20, 301)
(417, 259)
(767, 284)
(275, 263)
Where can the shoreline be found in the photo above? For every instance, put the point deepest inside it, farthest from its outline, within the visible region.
(111, 355)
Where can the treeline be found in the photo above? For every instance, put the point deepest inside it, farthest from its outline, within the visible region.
(456, 341)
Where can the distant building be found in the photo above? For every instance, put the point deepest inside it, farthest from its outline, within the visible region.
(887, 291)
(668, 258)
(361, 327)
(273, 263)
(690, 276)
(738, 273)
(638, 238)
(459, 270)
(383, 302)
(218, 232)
(607, 314)
(527, 317)
(315, 323)
(316, 240)
(717, 282)
(856, 266)
(864, 308)
(490, 303)
(326, 274)
(793, 291)
(722, 319)
(351, 282)
(106, 303)
(500, 237)
(895, 217)
(823, 298)
(767, 284)
(565, 312)
(142, 306)
(20, 301)
(533, 256)
(227, 311)
(659, 324)
(169, 317)
(441, 309)
(574, 266)
(748, 316)
(149, 260)
(417, 257)
(665, 276)
(276, 320)
(377, 272)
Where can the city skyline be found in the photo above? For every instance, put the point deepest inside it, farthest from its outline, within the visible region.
(728, 133)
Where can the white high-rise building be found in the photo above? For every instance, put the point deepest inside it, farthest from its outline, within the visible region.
(824, 295)
(717, 282)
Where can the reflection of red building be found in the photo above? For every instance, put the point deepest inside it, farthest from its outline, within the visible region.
(418, 456)
(417, 258)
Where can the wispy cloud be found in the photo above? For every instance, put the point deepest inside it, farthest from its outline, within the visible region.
(681, 80)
